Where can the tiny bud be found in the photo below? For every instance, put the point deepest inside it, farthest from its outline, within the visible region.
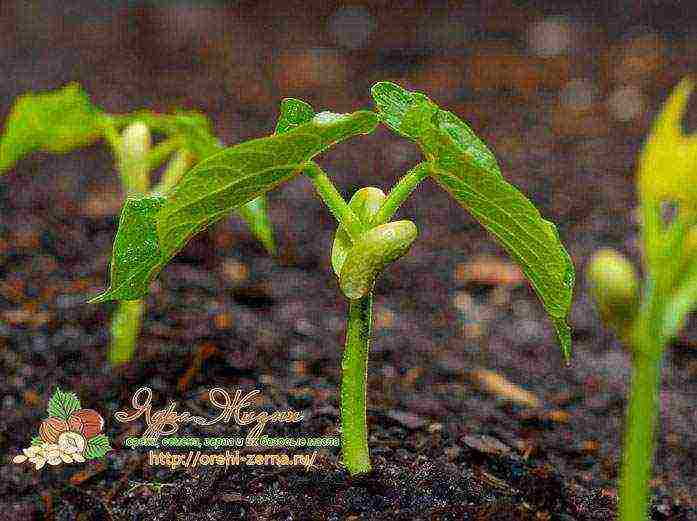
(615, 288)
(136, 140)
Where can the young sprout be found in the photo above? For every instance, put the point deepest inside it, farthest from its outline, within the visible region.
(153, 228)
(65, 119)
(667, 174)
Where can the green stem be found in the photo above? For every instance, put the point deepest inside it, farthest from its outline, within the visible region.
(125, 327)
(336, 204)
(639, 441)
(399, 193)
(354, 374)
(648, 341)
(177, 167)
(135, 180)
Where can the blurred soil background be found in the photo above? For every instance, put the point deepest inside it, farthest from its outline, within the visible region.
(473, 413)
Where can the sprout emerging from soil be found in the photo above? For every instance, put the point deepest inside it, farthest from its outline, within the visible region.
(154, 228)
(667, 176)
(63, 120)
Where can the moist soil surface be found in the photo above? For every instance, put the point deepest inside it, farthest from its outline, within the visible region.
(472, 411)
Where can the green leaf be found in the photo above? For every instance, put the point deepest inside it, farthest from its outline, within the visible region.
(365, 203)
(463, 166)
(97, 447)
(199, 140)
(153, 229)
(136, 256)
(36, 440)
(62, 404)
(57, 121)
(667, 168)
(294, 112)
(198, 132)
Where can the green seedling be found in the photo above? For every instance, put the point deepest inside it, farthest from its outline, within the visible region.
(647, 316)
(152, 229)
(65, 119)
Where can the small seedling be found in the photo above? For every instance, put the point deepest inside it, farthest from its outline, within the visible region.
(647, 316)
(63, 120)
(152, 229)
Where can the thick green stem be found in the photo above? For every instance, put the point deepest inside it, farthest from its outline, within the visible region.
(125, 327)
(648, 341)
(336, 204)
(134, 159)
(639, 441)
(354, 375)
(399, 193)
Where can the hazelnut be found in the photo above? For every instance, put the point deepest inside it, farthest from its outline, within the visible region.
(51, 428)
(88, 422)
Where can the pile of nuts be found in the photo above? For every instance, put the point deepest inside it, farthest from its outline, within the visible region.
(63, 441)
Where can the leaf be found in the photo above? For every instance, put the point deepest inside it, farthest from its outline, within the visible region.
(57, 121)
(36, 440)
(62, 405)
(97, 447)
(668, 161)
(463, 166)
(198, 132)
(136, 254)
(294, 112)
(153, 229)
(365, 203)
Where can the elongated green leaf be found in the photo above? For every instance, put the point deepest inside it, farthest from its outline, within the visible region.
(197, 131)
(463, 166)
(153, 229)
(56, 121)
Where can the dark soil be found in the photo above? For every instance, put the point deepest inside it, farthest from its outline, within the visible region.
(444, 443)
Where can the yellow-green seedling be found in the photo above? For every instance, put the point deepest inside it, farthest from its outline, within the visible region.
(153, 228)
(647, 315)
(65, 119)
